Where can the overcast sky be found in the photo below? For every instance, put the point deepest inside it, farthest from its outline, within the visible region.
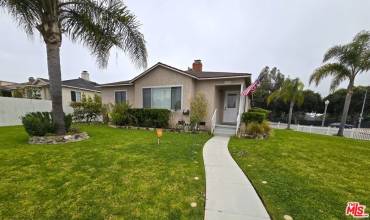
(227, 35)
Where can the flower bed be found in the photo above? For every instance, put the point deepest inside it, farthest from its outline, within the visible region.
(58, 139)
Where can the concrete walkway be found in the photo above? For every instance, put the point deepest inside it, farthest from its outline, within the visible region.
(229, 194)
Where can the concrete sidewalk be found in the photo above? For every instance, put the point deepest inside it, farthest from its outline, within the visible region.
(229, 194)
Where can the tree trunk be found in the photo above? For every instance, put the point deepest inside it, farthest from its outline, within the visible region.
(346, 108)
(290, 113)
(55, 83)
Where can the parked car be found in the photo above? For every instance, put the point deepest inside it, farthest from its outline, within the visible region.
(337, 125)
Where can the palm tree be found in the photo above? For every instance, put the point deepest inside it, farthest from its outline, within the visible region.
(98, 24)
(350, 60)
(290, 92)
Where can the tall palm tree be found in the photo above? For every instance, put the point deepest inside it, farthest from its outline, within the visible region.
(290, 92)
(98, 24)
(349, 60)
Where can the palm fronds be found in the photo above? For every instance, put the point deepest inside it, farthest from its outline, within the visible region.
(98, 24)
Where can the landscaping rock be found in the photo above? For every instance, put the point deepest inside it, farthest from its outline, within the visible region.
(58, 139)
(288, 217)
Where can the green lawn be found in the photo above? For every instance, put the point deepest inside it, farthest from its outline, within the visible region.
(308, 176)
(116, 174)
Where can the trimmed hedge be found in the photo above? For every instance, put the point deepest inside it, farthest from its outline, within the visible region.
(157, 118)
(41, 123)
(260, 110)
(249, 117)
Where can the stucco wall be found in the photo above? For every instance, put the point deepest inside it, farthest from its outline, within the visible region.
(12, 109)
(215, 99)
(164, 77)
(107, 94)
(66, 95)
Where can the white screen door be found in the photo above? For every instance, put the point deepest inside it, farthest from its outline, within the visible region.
(231, 106)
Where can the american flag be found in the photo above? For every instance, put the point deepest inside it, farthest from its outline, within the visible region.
(252, 88)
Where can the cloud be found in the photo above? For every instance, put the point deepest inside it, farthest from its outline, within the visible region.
(233, 35)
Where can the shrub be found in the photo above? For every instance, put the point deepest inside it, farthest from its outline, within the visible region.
(120, 114)
(255, 129)
(266, 127)
(38, 123)
(105, 110)
(144, 117)
(68, 122)
(198, 109)
(260, 110)
(88, 109)
(18, 93)
(249, 117)
(41, 123)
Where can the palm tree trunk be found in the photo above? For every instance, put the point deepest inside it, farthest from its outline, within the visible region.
(346, 108)
(290, 114)
(55, 82)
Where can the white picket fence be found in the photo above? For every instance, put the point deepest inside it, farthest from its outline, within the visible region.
(355, 133)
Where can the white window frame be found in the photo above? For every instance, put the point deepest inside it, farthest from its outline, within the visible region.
(163, 87)
(76, 95)
(76, 92)
(121, 90)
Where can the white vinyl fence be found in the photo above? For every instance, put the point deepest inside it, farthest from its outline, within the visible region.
(12, 109)
(355, 133)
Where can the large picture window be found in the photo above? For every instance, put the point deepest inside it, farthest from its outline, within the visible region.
(120, 96)
(164, 97)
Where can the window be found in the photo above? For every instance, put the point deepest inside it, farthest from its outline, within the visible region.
(164, 97)
(120, 96)
(75, 96)
(231, 100)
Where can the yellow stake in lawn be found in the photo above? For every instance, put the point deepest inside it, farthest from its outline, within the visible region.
(159, 132)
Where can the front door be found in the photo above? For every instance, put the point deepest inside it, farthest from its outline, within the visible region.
(231, 106)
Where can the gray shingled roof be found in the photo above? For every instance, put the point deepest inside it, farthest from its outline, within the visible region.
(81, 83)
(210, 74)
(200, 76)
(78, 83)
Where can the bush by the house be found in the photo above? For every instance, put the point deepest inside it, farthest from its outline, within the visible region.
(18, 93)
(120, 114)
(198, 109)
(249, 117)
(123, 115)
(89, 109)
(157, 118)
(105, 110)
(41, 123)
(256, 124)
(260, 110)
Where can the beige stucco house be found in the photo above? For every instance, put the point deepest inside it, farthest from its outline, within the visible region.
(164, 86)
(72, 90)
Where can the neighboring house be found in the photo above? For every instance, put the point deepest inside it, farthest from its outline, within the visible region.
(163, 86)
(72, 90)
(6, 88)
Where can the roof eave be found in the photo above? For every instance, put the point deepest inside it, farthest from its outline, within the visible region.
(224, 77)
(121, 84)
(73, 87)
